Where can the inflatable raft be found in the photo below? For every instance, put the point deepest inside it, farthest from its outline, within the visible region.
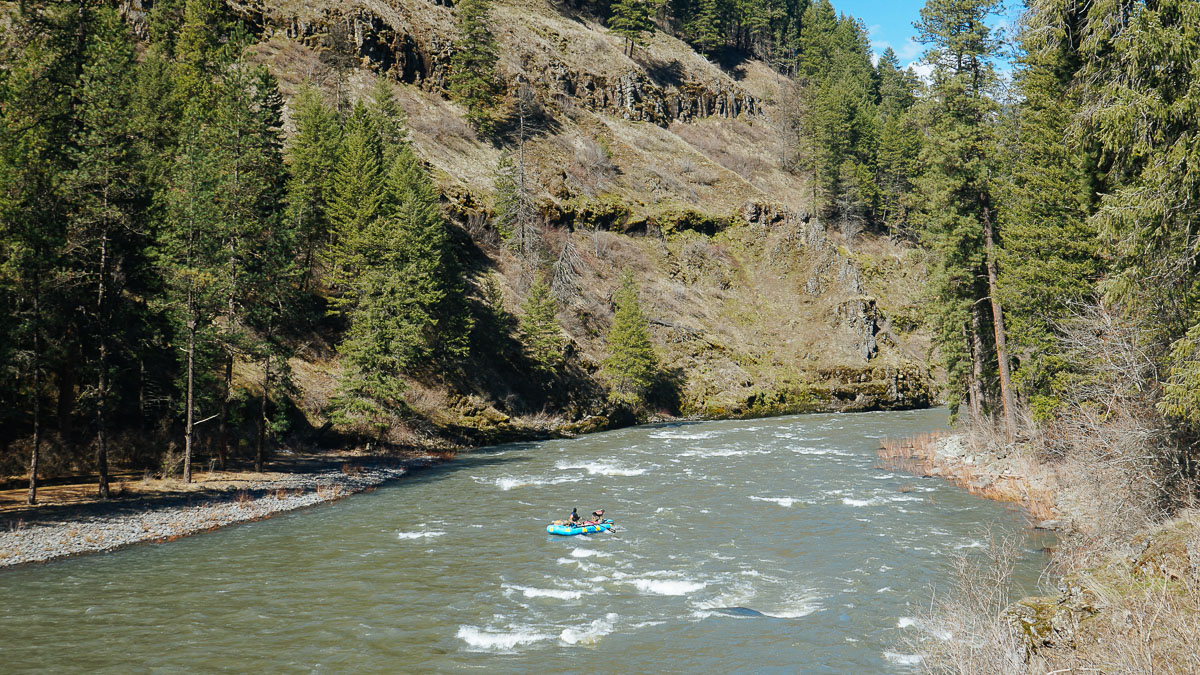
(582, 528)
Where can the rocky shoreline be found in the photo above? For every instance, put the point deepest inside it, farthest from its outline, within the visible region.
(1006, 477)
(43, 537)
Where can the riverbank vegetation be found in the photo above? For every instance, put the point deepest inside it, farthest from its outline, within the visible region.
(1065, 296)
(227, 231)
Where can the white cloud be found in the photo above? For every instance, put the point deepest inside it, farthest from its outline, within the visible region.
(906, 52)
(923, 70)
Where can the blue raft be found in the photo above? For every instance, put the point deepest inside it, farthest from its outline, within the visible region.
(571, 530)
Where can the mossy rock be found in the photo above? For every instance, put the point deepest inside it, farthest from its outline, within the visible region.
(587, 425)
(687, 220)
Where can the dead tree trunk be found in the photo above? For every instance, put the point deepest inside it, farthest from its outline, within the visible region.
(977, 360)
(262, 409)
(37, 391)
(1006, 393)
(102, 366)
(973, 402)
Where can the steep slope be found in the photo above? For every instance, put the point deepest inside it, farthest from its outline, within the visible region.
(664, 163)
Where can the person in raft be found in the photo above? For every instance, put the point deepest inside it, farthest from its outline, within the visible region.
(574, 519)
(598, 516)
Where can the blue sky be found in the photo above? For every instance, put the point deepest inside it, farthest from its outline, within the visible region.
(890, 24)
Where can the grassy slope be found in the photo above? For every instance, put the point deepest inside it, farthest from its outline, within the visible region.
(731, 310)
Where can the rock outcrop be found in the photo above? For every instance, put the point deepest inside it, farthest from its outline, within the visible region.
(393, 40)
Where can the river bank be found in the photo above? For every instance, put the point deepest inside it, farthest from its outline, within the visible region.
(985, 472)
(1123, 601)
(42, 534)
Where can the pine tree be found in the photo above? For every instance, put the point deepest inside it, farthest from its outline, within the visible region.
(1048, 262)
(632, 363)
(107, 195)
(631, 19)
(1137, 82)
(312, 156)
(540, 332)
(35, 125)
(190, 253)
(473, 79)
(246, 123)
(355, 194)
(899, 142)
(405, 302)
(704, 29)
(958, 216)
(506, 200)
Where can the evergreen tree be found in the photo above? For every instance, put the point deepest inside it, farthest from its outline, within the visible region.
(355, 194)
(704, 29)
(506, 206)
(246, 123)
(35, 124)
(106, 198)
(899, 141)
(541, 334)
(190, 253)
(473, 79)
(1137, 79)
(312, 156)
(632, 363)
(958, 217)
(631, 19)
(1049, 259)
(405, 302)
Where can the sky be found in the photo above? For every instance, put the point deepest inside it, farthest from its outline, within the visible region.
(890, 24)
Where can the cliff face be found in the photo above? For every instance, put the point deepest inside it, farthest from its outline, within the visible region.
(665, 164)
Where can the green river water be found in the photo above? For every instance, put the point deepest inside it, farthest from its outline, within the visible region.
(763, 546)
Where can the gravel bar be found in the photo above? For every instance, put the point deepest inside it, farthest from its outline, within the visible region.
(42, 540)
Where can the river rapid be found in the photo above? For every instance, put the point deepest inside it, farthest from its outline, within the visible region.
(766, 546)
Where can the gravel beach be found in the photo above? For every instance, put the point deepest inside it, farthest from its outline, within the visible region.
(45, 536)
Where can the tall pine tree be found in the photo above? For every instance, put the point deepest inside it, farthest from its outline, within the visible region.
(631, 364)
(473, 79)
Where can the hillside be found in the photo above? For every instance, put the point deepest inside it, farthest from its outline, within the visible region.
(207, 310)
(665, 163)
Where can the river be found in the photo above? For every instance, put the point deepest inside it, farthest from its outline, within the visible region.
(766, 546)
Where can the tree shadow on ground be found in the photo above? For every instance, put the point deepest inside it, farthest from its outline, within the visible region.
(732, 61)
(662, 73)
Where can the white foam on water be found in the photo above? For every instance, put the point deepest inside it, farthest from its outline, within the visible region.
(855, 502)
(974, 544)
(588, 553)
(556, 593)
(667, 586)
(796, 607)
(907, 498)
(592, 633)
(903, 659)
(782, 501)
(905, 622)
(885, 589)
(723, 452)
(419, 535)
(683, 435)
(884, 476)
(738, 596)
(601, 468)
(507, 483)
(494, 640)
